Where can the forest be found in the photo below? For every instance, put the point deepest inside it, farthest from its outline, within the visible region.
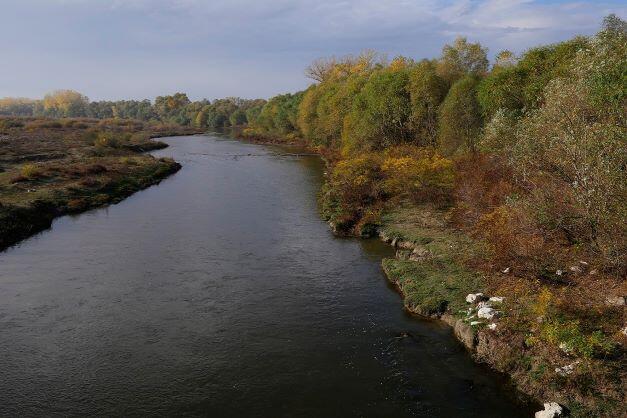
(529, 149)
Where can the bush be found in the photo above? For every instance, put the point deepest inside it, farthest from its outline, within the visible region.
(31, 171)
(10, 123)
(419, 174)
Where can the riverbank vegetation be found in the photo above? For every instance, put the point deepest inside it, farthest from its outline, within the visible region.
(51, 167)
(525, 158)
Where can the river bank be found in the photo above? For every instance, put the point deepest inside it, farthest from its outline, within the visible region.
(222, 293)
(50, 168)
(559, 338)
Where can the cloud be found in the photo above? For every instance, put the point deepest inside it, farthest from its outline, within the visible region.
(241, 43)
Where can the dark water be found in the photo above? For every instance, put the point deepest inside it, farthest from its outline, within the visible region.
(221, 293)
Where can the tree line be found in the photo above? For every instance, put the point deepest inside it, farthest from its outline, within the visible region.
(176, 108)
(530, 149)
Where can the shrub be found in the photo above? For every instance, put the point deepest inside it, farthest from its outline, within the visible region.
(10, 123)
(107, 140)
(31, 171)
(418, 174)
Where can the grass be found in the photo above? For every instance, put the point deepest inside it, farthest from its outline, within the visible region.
(432, 287)
(540, 329)
(439, 281)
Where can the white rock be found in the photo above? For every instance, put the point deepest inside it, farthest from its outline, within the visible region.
(559, 272)
(551, 410)
(487, 313)
(473, 323)
(473, 297)
(492, 326)
(484, 304)
(507, 270)
(615, 300)
(566, 348)
(566, 370)
(583, 263)
(575, 269)
(624, 331)
(496, 299)
(593, 272)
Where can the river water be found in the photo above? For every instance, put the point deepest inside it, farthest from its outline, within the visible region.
(220, 292)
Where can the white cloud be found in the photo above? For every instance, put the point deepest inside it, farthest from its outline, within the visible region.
(257, 38)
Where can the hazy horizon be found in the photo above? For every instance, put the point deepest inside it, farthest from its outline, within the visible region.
(139, 49)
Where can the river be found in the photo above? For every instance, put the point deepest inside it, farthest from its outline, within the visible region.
(220, 292)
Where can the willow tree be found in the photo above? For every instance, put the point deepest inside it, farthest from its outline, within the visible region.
(460, 118)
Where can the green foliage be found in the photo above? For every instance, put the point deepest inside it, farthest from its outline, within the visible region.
(567, 334)
(238, 118)
(279, 115)
(460, 117)
(518, 86)
(462, 58)
(427, 91)
(381, 111)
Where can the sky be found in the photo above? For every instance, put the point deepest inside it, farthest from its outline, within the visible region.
(136, 49)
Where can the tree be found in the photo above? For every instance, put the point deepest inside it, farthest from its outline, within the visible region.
(381, 111)
(238, 118)
(427, 91)
(462, 58)
(460, 117)
(505, 59)
(169, 108)
(65, 103)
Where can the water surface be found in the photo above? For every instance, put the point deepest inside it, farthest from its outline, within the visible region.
(221, 292)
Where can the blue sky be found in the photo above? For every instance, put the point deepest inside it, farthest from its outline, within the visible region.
(121, 49)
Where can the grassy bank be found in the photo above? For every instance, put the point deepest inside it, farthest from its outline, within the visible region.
(553, 343)
(52, 167)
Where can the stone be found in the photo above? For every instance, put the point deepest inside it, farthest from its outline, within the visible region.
(496, 299)
(474, 323)
(615, 300)
(559, 272)
(487, 313)
(419, 253)
(551, 410)
(474, 297)
(566, 348)
(484, 304)
(394, 241)
(492, 326)
(575, 269)
(507, 270)
(566, 370)
(624, 331)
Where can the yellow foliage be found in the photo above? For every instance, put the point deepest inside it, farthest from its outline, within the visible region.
(418, 174)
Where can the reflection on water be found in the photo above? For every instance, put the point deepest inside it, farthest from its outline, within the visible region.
(221, 292)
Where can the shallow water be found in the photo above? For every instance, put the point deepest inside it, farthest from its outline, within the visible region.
(221, 292)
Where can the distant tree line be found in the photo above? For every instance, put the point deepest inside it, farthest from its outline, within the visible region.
(176, 108)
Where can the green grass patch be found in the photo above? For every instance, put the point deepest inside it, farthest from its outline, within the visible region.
(432, 286)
